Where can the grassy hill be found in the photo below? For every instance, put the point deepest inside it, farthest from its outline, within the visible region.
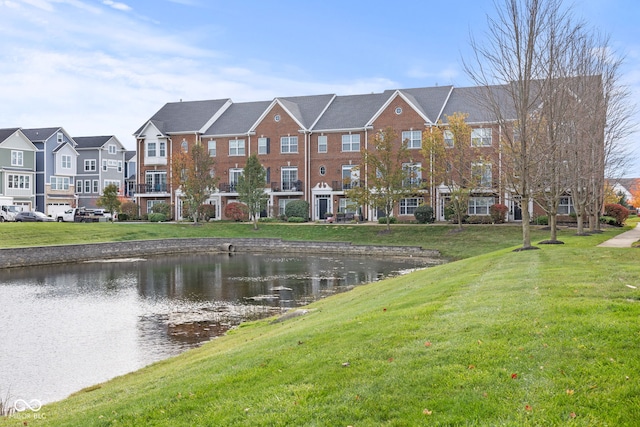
(541, 337)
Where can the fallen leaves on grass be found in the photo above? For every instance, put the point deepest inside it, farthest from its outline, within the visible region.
(427, 412)
(514, 376)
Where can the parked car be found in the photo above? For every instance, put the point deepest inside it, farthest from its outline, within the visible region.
(32, 217)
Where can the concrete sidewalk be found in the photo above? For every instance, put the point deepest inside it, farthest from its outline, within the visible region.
(624, 240)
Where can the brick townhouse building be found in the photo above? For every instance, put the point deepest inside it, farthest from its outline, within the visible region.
(310, 145)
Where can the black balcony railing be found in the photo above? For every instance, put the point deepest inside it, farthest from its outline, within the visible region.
(345, 185)
(152, 188)
(286, 186)
(227, 187)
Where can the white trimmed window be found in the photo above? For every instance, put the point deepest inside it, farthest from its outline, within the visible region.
(90, 165)
(448, 138)
(347, 205)
(156, 181)
(59, 137)
(234, 177)
(351, 142)
(289, 179)
(350, 177)
(480, 205)
(95, 185)
(66, 161)
(21, 182)
(60, 183)
(412, 173)
(481, 174)
(408, 206)
(236, 147)
(289, 144)
(263, 145)
(87, 186)
(112, 181)
(112, 149)
(79, 188)
(119, 165)
(322, 144)
(211, 146)
(104, 165)
(152, 149)
(17, 158)
(481, 137)
(413, 138)
(565, 207)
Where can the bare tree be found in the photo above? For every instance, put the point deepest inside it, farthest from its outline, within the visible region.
(515, 56)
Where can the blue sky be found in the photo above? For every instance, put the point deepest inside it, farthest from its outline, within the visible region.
(103, 67)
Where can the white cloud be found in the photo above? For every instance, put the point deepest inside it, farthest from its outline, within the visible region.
(117, 5)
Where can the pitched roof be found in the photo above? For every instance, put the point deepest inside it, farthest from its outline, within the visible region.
(40, 134)
(306, 109)
(91, 141)
(238, 119)
(350, 111)
(472, 101)
(179, 117)
(430, 101)
(6, 133)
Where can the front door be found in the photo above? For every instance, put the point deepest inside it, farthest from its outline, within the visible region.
(517, 211)
(323, 207)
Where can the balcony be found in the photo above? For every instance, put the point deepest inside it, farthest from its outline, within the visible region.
(227, 187)
(151, 188)
(345, 185)
(288, 186)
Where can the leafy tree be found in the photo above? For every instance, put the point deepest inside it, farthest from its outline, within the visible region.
(109, 199)
(251, 188)
(193, 174)
(386, 167)
(130, 209)
(456, 163)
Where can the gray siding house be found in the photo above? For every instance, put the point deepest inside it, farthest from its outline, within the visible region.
(17, 169)
(56, 166)
(100, 163)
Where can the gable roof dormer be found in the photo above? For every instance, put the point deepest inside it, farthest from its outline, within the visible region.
(186, 117)
(304, 110)
(428, 102)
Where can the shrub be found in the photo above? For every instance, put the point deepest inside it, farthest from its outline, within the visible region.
(498, 213)
(299, 208)
(542, 220)
(157, 217)
(383, 220)
(206, 212)
(123, 217)
(162, 208)
(617, 211)
(479, 219)
(130, 210)
(295, 219)
(609, 220)
(237, 211)
(424, 214)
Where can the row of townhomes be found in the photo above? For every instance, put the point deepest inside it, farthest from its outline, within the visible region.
(47, 170)
(309, 146)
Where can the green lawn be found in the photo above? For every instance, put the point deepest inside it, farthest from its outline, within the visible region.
(541, 337)
(475, 240)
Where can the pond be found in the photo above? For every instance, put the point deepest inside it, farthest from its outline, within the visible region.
(66, 327)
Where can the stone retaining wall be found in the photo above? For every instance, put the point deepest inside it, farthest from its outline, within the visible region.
(43, 255)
